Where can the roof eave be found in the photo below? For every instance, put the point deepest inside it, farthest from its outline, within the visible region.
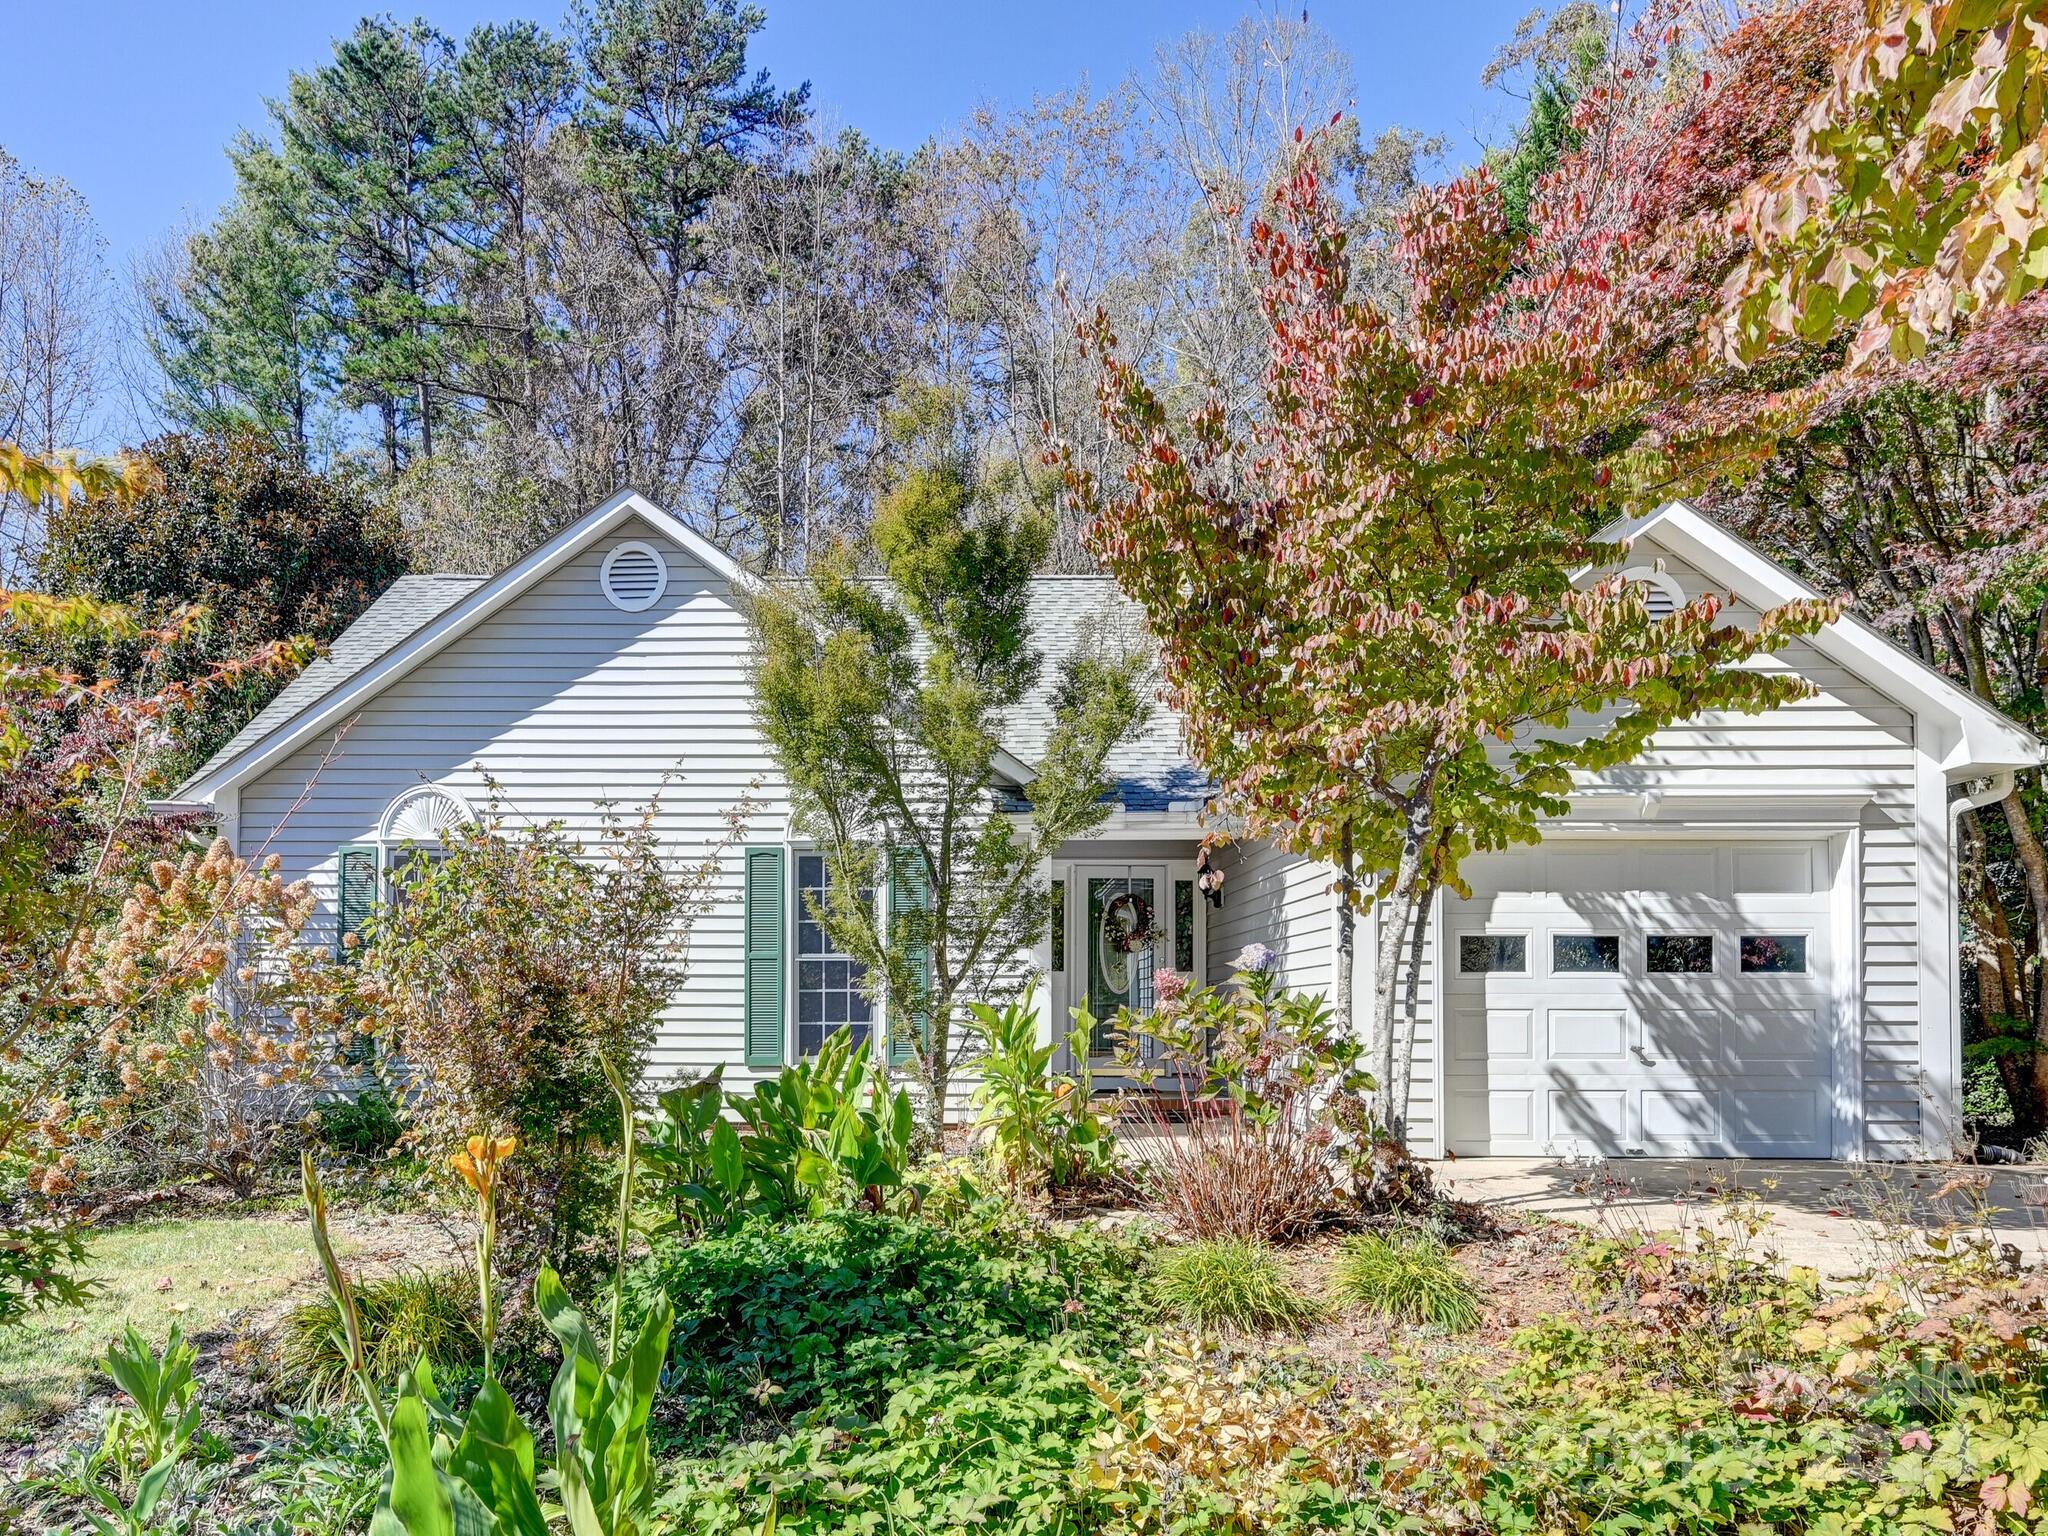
(1973, 737)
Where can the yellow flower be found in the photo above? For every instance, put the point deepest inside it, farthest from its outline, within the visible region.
(478, 1162)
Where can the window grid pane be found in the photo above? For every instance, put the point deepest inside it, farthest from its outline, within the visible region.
(1582, 953)
(828, 983)
(1679, 954)
(1481, 953)
(1774, 954)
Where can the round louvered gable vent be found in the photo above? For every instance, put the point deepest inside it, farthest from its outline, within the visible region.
(1661, 595)
(634, 577)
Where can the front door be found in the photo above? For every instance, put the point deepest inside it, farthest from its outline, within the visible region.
(1124, 924)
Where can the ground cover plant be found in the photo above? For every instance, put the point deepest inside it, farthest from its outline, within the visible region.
(837, 1312)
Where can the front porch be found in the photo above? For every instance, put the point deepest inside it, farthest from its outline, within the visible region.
(1127, 909)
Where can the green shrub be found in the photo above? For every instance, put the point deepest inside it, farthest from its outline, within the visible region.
(840, 1311)
(1233, 1283)
(987, 1444)
(819, 1137)
(361, 1125)
(418, 1313)
(1042, 1127)
(1406, 1275)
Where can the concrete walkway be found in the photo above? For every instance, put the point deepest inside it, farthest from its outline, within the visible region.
(1842, 1219)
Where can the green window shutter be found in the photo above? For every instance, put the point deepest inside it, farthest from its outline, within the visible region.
(764, 935)
(910, 891)
(355, 893)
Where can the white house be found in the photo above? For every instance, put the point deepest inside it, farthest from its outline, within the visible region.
(1720, 950)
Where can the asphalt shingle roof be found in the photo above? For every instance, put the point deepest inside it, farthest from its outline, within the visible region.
(1067, 613)
(404, 607)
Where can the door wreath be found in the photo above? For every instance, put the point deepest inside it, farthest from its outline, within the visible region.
(1127, 923)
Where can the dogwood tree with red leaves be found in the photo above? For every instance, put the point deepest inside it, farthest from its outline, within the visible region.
(1375, 607)
(1911, 198)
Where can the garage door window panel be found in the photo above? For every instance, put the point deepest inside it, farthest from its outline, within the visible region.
(1679, 954)
(1774, 954)
(1585, 954)
(1493, 954)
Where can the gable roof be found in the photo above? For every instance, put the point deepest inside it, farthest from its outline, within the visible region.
(1967, 736)
(1068, 614)
(406, 633)
(417, 616)
(402, 609)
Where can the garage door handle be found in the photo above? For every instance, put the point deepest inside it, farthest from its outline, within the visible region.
(1642, 1056)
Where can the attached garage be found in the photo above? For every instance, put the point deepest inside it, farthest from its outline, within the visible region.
(1649, 997)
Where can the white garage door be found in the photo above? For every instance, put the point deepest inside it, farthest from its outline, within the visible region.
(1642, 998)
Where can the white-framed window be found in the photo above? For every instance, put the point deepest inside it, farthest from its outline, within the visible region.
(633, 576)
(416, 827)
(828, 982)
(1493, 954)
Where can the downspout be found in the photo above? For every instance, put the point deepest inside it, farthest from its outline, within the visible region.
(1995, 789)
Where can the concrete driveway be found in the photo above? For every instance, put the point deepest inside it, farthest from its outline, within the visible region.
(1842, 1219)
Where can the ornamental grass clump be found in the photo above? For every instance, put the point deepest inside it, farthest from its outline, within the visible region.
(1406, 1275)
(1233, 1284)
(416, 1315)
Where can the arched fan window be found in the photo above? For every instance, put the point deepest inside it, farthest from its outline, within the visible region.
(422, 816)
(1661, 595)
(416, 825)
(633, 577)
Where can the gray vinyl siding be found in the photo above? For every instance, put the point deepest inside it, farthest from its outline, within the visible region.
(565, 701)
(1279, 899)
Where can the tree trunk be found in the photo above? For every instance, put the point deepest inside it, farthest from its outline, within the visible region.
(2033, 862)
(2001, 992)
(937, 1054)
(1347, 934)
(1411, 1009)
(1397, 914)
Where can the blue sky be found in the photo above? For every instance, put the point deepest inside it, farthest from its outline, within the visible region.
(132, 101)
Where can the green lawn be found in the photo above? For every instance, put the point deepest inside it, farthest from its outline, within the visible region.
(198, 1272)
